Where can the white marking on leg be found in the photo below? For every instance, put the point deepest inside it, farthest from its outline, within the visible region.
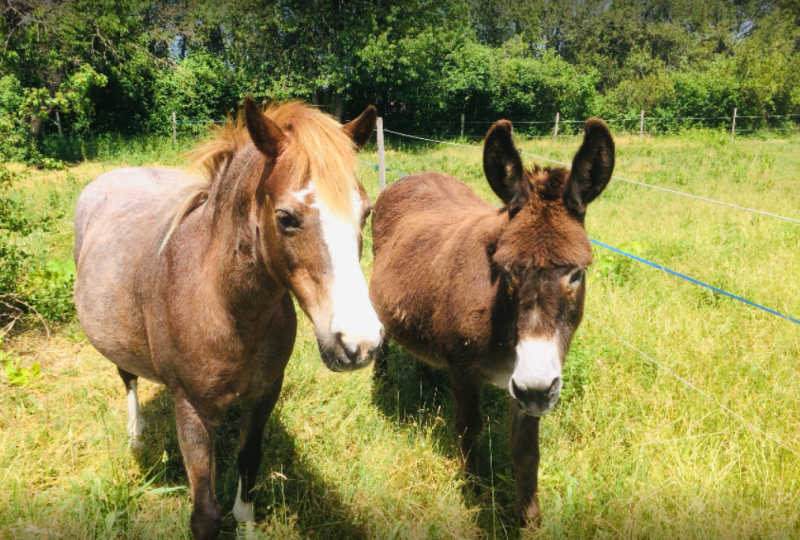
(136, 423)
(353, 314)
(243, 511)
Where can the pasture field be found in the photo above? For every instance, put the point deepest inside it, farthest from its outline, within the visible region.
(630, 451)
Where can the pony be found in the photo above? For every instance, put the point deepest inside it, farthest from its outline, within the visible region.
(492, 294)
(189, 282)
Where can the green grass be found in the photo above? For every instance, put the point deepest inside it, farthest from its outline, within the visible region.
(629, 452)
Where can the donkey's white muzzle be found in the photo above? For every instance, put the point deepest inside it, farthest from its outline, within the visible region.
(536, 381)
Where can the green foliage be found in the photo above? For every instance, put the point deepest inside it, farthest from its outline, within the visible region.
(122, 68)
(27, 279)
(199, 88)
(14, 222)
(51, 289)
(615, 267)
(15, 374)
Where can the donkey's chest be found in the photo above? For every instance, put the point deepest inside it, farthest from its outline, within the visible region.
(498, 372)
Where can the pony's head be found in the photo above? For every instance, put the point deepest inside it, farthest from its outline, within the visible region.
(308, 215)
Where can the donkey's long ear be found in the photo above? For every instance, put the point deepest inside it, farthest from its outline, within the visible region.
(360, 129)
(503, 167)
(266, 135)
(592, 167)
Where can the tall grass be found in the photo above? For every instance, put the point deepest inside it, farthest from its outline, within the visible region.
(630, 451)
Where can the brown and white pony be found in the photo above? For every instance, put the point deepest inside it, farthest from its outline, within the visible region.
(492, 294)
(190, 284)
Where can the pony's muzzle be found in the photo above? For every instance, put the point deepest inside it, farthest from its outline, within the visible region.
(359, 351)
(351, 352)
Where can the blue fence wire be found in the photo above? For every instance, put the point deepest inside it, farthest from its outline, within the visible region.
(695, 281)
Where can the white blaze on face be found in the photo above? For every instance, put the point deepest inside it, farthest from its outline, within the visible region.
(353, 314)
(537, 370)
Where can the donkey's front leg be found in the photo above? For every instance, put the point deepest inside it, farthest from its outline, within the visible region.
(469, 417)
(254, 419)
(525, 454)
(196, 437)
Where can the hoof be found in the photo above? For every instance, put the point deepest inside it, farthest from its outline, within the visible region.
(136, 444)
(528, 517)
(247, 531)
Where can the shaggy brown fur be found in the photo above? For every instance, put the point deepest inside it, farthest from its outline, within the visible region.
(210, 315)
(490, 292)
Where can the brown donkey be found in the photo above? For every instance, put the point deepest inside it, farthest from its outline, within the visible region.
(190, 284)
(493, 294)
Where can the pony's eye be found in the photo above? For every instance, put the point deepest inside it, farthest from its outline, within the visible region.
(287, 220)
(576, 278)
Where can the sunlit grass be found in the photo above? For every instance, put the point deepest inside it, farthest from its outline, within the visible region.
(629, 452)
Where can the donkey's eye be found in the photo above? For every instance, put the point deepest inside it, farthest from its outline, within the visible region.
(576, 278)
(287, 220)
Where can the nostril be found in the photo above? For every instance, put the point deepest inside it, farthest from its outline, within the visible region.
(554, 386)
(351, 350)
(338, 338)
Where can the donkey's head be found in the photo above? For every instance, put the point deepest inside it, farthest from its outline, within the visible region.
(309, 212)
(543, 253)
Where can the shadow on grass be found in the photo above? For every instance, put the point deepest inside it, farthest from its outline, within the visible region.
(416, 397)
(290, 492)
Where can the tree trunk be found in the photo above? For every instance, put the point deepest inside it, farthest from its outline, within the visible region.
(315, 97)
(36, 125)
(337, 107)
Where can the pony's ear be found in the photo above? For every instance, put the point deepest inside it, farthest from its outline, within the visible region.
(266, 135)
(360, 129)
(503, 167)
(592, 167)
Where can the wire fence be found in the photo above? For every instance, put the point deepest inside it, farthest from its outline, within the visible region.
(784, 124)
(731, 205)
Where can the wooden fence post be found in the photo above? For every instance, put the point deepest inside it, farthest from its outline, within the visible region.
(555, 132)
(381, 160)
(733, 125)
(641, 126)
(174, 129)
(462, 125)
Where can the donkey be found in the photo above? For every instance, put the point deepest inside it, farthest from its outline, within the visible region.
(190, 283)
(492, 294)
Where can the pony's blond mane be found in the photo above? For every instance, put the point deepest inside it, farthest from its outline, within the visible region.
(315, 145)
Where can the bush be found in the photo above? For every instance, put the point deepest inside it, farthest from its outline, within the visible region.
(25, 280)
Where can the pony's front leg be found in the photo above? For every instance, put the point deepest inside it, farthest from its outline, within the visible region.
(254, 420)
(525, 454)
(196, 437)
